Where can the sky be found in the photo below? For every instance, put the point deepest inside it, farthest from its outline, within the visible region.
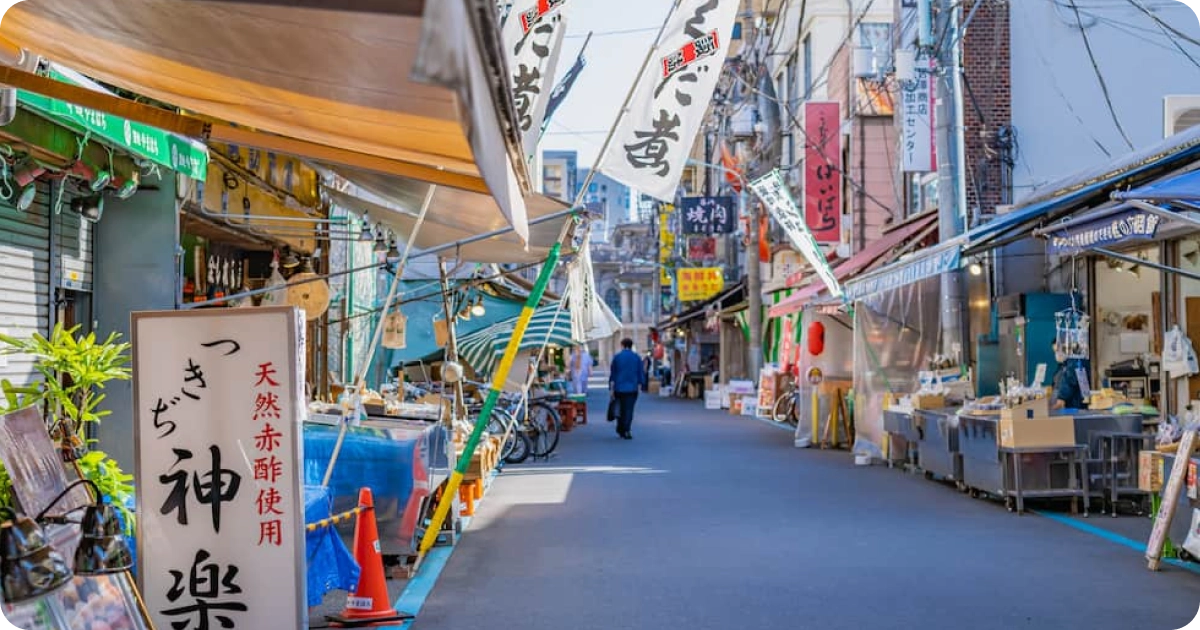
(624, 30)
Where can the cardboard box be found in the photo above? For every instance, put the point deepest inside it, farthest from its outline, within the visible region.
(928, 401)
(712, 399)
(653, 388)
(742, 387)
(1037, 408)
(1150, 471)
(750, 406)
(1040, 431)
(735, 404)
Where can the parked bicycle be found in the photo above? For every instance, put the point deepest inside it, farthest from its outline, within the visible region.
(787, 405)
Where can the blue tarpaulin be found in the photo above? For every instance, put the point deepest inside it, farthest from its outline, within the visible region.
(330, 564)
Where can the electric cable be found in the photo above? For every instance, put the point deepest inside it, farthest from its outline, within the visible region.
(1087, 44)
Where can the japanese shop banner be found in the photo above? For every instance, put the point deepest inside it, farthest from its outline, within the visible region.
(533, 35)
(823, 171)
(700, 283)
(918, 151)
(774, 194)
(709, 215)
(218, 404)
(1131, 225)
(654, 137)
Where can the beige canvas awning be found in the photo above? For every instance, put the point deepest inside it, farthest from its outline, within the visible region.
(424, 97)
(454, 215)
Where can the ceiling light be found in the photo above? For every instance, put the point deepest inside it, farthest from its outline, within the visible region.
(478, 309)
(25, 199)
(32, 567)
(393, 254)
(290, 260)
(90, 208)
(380, 243)
(97, 179)
(129, 186)
(976, 269)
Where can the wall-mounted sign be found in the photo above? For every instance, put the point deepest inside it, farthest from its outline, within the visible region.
(218, 401)
(918, 151)
(702, 249)
(931, 262)
(709, 215)
(1125, 226)
(823, 171)
(700, 283)
(774, 193)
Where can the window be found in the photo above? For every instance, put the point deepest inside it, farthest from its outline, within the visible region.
(612, 297)
(878, 37)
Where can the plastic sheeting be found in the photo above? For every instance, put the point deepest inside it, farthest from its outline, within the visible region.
(896, 333)
(331, 566)
(836, 366)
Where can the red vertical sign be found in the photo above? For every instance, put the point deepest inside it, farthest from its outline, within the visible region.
(823, 171)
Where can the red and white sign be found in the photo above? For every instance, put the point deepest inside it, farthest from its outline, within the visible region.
(823, 171)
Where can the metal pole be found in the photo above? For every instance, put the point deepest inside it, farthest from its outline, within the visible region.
(753, 288)
(951, 189)
(433, 251)
(451, 337)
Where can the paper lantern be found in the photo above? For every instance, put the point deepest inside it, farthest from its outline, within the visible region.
(816, 338)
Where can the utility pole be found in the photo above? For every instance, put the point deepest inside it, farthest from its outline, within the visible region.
(950, 153)
(753, 287)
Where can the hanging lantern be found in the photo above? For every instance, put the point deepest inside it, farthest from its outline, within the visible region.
(311, 296)
(816, 338)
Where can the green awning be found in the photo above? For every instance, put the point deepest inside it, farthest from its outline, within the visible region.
(177, 153)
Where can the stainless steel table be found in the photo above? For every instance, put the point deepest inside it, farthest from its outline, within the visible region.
(938, 447)
(1077, 485)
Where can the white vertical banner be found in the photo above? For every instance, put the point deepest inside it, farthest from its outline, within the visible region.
(533, 35)
(655, 136)
(777, 198)
(918, 150)
(219, 402)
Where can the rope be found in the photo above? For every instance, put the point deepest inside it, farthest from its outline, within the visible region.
(334, 520)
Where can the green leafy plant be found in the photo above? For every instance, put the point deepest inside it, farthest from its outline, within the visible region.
(74, 370)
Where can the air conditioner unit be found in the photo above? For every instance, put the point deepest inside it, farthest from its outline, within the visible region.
(1180, 113)
(743, 122)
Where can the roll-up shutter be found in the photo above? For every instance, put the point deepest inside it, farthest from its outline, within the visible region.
(24, 281)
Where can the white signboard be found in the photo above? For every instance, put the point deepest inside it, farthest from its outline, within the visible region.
(532, 40)
(217, 427)
(917, 128)
(775, 195)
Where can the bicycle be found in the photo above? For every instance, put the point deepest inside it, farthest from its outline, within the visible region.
(538, 420)
(787, 406)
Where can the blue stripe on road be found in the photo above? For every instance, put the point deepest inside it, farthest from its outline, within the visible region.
(1112, 537)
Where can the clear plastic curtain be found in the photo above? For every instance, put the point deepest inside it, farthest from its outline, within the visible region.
(895, 335)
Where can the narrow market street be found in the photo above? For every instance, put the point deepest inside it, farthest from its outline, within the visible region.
(706, 520)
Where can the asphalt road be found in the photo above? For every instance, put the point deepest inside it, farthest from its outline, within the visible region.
(709, 521)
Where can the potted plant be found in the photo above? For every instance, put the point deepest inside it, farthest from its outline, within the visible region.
(74, 372)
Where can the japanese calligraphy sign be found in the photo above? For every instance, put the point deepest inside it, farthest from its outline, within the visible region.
(700, 283)
(918, 151)
(666, 242)
(929, 263)
(1125, 226)
(823, 171)
(217, 424)
(709, 215)
(669, 101)
(774, 194)
(533, 35)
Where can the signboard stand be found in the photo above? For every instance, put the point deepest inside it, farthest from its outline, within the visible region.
(218, 398)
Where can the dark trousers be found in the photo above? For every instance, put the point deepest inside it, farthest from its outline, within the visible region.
(625, 402)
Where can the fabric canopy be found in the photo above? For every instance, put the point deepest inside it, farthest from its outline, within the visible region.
(453, 215)
(550, 325)
(421, 342)
(855, 264)
(419, 96)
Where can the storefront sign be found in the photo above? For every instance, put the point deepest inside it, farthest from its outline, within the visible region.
(666, 243)
(709, 215)
(700, 283)
(702, 249)
(218, 406)
(823, 171)
(1118, 228)
(918, 151)
(174, 152)
(933, 262)
(778, 200)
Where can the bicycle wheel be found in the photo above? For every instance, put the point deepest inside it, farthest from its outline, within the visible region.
(502, 422)
(520, 448)
(544, 426)
(784, 408)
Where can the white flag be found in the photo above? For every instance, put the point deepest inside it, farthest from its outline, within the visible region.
(533, 35)
(655, 136)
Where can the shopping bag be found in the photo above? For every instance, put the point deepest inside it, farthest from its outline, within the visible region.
(612, 409)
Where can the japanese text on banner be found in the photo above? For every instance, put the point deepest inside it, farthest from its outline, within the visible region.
(823, 171)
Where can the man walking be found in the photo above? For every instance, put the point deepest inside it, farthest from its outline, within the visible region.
(625, 378)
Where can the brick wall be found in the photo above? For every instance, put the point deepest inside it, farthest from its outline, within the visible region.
(986, 88)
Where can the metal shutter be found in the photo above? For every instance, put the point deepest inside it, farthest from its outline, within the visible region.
(24, 281)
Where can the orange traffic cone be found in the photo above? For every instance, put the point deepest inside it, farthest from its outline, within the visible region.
(370, 604)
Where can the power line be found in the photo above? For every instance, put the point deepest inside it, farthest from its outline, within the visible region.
(1087, 44)
(627, 31)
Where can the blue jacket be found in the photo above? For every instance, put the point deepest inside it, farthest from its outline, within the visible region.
(625, 374)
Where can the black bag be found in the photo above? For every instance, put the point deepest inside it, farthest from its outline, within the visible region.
(612, 409)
